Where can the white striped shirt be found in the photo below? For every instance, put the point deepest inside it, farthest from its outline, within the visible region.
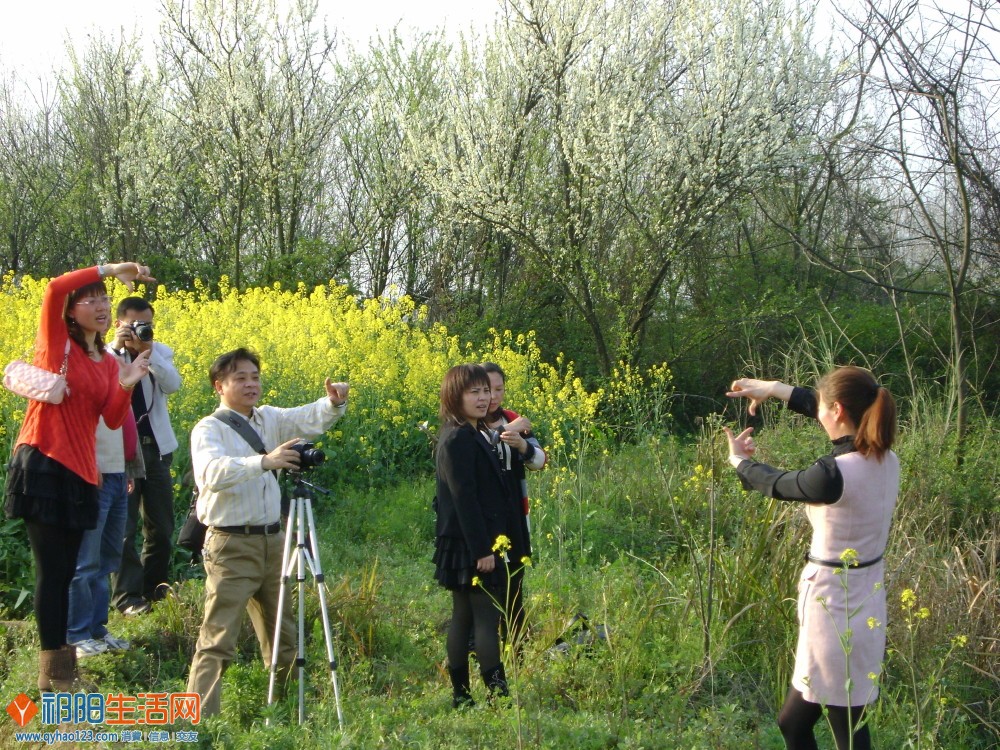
(233, 488)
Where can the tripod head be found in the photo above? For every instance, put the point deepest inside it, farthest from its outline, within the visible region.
(302, 487)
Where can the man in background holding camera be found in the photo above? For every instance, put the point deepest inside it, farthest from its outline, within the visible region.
(240, 501)
(141, 580)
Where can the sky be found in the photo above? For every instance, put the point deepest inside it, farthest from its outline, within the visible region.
(33, 33)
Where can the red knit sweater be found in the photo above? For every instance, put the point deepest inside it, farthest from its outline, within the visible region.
(66, 432)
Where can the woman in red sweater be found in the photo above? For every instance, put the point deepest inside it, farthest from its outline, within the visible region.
(52, 476)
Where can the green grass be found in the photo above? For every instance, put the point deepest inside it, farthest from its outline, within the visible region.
(701, 624)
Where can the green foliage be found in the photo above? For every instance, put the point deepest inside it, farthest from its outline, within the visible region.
(16, 584)
(691, 659)
(530, 183)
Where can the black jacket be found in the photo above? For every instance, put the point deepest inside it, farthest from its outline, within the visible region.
(475, 501)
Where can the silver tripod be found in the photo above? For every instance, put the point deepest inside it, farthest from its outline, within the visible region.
(305, 554)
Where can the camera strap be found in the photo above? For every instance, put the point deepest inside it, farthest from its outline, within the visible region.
(245, 430)
(139, 406)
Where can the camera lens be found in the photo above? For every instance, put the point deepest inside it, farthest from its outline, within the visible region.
(142, 330)
(309, 455)
(313, 456)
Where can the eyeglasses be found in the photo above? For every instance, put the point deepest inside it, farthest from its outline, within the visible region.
(92, 301)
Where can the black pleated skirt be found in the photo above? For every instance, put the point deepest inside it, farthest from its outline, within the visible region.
(455, 567)
(41, 489)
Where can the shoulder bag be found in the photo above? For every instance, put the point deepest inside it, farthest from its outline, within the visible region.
(37, 383)
(192, 534)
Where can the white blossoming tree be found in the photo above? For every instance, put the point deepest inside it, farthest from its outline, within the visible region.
(602, 138)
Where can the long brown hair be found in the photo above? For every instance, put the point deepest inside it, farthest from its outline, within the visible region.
(96, 289)
(457, 381)
(869, 405)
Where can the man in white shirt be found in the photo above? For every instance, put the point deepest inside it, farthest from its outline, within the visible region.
(240, 501)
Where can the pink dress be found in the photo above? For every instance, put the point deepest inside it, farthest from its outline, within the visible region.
(836, 608)
(841, 613)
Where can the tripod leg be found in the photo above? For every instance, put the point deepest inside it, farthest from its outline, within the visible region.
(317, 571)
(286, 562)
(301, 581)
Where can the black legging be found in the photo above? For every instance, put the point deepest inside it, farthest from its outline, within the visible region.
(55, 549)
(798, 717)
(473, 612)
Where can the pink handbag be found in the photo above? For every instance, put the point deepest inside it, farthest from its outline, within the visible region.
(36, 383)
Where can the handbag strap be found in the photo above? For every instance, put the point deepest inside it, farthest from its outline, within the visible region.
(65, 364)
(28, 358)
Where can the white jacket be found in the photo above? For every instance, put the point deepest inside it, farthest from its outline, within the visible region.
(161, 365)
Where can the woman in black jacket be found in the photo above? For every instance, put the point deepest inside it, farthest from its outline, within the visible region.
(481, 534)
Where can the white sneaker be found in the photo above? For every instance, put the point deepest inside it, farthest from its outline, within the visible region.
(140, 607)
(89, 647)
(116, 644)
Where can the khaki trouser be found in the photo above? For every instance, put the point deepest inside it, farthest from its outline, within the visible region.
(242, 572)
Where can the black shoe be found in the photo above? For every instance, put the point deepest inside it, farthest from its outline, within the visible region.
(461, 693)
(462, 701)
(496, 683)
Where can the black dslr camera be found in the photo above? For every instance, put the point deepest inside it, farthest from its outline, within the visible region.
(309, 455)
(142, 330)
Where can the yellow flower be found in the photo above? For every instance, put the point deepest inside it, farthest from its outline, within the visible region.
(873, 623)
(849, 557)
(502, 544)
(923, 613)
(908, 598)
(476, 581)
(526, 561)
(959, 641)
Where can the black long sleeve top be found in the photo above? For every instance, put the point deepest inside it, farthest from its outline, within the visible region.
(820, 483)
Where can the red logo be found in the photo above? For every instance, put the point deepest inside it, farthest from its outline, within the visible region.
(22, 709)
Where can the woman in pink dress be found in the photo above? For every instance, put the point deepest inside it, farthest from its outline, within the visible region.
(849, 497)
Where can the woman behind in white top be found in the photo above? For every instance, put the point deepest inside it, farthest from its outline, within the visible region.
(120, 463)
(850, 495)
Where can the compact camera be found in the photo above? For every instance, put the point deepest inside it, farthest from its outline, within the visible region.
(309, 455)
(142, 330)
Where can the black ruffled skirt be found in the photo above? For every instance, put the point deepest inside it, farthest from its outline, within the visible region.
(41, 489)
(455, 568)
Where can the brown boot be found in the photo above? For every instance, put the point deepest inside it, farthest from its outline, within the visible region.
(45, 660)
(73, 670)
(57, 669)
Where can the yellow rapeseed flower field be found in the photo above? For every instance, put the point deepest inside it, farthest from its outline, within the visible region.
(393, 357)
